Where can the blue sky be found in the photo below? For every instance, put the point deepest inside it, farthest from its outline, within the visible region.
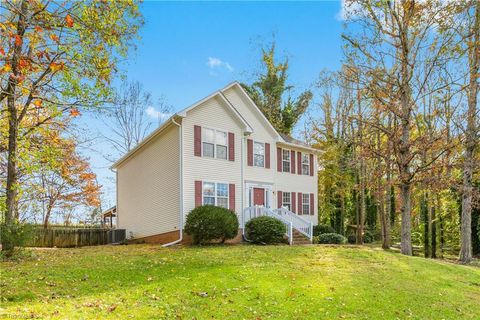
(188, 50)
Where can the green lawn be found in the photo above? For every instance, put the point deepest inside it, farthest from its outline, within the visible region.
(236, 282)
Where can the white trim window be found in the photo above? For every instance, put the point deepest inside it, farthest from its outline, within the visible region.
(214, 143)
(305, 203)
(287, 200)
(259, 154)
(215, 194)
(305, 164)
(285, 160)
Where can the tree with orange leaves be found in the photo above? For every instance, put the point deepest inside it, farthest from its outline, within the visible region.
(55, 58)
(66, 182)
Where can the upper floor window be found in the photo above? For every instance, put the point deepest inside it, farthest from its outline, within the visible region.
(259, 154)
(306, 203)
(286, 200)
(305, 164)
(215, 194)
(285, 160)
(214, 143)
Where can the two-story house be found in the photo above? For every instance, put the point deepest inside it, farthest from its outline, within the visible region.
(221, 151)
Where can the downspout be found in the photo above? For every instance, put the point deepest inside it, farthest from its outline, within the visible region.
(181, 186)
(243, 187)
(117, 221)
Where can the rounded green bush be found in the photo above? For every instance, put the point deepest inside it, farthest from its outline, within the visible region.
(330, 238)
(352, 238)
(368, 237)
(207, 223)
(265, 230)
(321, 229)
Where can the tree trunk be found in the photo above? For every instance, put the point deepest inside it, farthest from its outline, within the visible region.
(11, 187)
(48, 213)
(426, 232)
(382, 213)
(433, 229)
(361, 175)
(470, 141)
(342, 214)
(406, 243)
(384, 220)
(442, 235)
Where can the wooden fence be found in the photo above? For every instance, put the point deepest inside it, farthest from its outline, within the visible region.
(70, 237)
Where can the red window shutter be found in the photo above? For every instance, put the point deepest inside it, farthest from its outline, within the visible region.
(198, 193)
(197, 137)
(311, 164)
(279, 159)
(231, 146)
(292, 162)
(312, 203)
(294, 202)
(231, 196)
(250, 152)
(267, 155)
(279, 199)
(299, 162)
(300, 203)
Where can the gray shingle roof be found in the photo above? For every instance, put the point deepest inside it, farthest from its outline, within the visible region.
(289, 139)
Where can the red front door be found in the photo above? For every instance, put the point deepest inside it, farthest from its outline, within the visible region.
(258, 197)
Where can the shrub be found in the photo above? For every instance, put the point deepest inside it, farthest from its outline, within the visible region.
(352, 238)
(321, 229)
(330, 238)
(476, 231)
(16, 234)
(368, 237)
(207, 223)
(265, 230)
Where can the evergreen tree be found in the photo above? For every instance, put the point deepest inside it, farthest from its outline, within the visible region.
(269, 91)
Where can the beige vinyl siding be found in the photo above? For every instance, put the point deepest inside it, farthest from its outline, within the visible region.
(286, 181)
(261, 133)
(215, 114)
(149, 187)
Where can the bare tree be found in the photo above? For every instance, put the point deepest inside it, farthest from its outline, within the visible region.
(128, 117)
(393, 44)
(471, 133)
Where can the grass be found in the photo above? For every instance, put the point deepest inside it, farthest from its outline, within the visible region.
(236, 282)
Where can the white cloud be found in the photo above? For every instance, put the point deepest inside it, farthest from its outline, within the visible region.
(216, 63)
(155, 114)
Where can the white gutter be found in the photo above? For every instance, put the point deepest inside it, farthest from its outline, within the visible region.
(181, 186)
(242, 187)
(298, 146)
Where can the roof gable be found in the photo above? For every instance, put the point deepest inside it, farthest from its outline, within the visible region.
(230, 107)
(236, 115)
(252, 106)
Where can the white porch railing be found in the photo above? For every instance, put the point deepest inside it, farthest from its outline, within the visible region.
(304, 226)
(257, 211)
(289, 219)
